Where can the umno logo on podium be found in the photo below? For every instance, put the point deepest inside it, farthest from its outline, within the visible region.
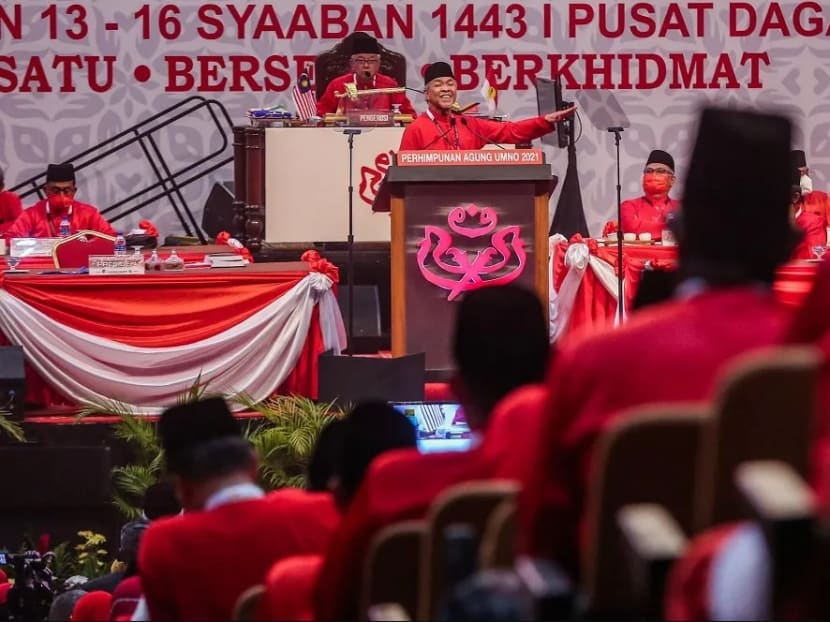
(472, 251)
(371, 176)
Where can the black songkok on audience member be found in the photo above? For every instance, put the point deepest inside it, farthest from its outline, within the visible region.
(735, 214)
(185, 427)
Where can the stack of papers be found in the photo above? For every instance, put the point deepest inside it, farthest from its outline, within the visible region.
(225, 260)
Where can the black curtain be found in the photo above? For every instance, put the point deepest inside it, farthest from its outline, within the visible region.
(570, 215)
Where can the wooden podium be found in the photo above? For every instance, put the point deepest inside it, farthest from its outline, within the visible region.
(461, 220)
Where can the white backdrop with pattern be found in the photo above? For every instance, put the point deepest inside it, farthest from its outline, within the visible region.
(661, 60)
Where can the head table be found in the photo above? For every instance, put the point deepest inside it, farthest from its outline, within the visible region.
(583, 283)
(143, 340)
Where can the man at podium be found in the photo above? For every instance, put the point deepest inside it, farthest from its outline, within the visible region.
(365, 65)
(441, 128)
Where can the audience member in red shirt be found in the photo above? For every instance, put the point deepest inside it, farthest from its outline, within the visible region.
(441, 129)
(43, 219)
(647, 214)
(344, 452)
(815, 201)
(734, 232)
(195, 566)
(10, 206)
(365, 65)
(500, 345)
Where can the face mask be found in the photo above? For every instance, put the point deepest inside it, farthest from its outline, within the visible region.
(806, 184)
(656, 185)
(59, 203)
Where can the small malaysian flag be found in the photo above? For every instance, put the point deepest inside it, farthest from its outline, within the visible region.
(489, 91)
(304, 98)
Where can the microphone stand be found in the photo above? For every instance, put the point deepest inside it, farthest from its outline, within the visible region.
(351, 132)
(616, 131)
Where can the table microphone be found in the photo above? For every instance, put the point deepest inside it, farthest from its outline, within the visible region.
(466, 124)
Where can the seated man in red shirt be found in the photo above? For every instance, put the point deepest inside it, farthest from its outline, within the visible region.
(43, 219)
(441, 128)
(815, 201)
(648, 213)
(734, 231)
(812, 224)
(195, 566)
(10, 206)
(365, 65)
(500, 345)
(344, 451)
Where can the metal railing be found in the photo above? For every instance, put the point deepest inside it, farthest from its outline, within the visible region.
(169, 183)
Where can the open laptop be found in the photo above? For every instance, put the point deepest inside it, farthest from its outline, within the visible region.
(440, 426)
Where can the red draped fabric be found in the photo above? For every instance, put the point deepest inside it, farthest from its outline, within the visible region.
(165, 309)
(156, 310)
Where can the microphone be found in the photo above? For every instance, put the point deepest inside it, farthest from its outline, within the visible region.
(443, 134)
(466, 124)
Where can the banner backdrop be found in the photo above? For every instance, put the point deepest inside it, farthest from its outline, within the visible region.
(75, 72)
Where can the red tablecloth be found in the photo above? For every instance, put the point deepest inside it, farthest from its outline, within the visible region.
(596, 307)
(162, 310)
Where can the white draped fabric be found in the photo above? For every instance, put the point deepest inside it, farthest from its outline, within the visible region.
(577, 260)
(253, 357)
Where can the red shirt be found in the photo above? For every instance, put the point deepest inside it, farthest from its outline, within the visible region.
(817, 202)
(439, 132)
(37, 222)
(10, 209)
(401, 485)
(328, 103)
(815, 234)
(673, 352)
(645, 216)
(195, 566)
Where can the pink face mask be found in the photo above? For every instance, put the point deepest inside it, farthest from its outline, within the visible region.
(59, 203)
(656, 185)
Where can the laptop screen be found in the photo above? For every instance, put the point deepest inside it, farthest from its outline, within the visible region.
(440, 426)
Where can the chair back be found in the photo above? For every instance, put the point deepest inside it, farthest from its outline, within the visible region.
(392, 567)
(74, 251)
(765, 410)
(336, 61)
(498, 546)
(247, 603)
(647, 455)
(472, 504)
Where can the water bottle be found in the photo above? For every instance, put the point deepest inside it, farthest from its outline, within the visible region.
(65, 229)
(120, 244)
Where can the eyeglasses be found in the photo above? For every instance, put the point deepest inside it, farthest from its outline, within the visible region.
(658, 171)
(364, 60)
(56, 190)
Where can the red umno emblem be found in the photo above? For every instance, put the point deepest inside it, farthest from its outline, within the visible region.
(497, 256)
(370, 177)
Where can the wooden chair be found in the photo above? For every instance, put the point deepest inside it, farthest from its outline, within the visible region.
(247, 603)
(785, 509)
(392, 567)
(74, 251)
(472, 504)
(498, 546)
(336, 61)
(764, 411)
(647, 456)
